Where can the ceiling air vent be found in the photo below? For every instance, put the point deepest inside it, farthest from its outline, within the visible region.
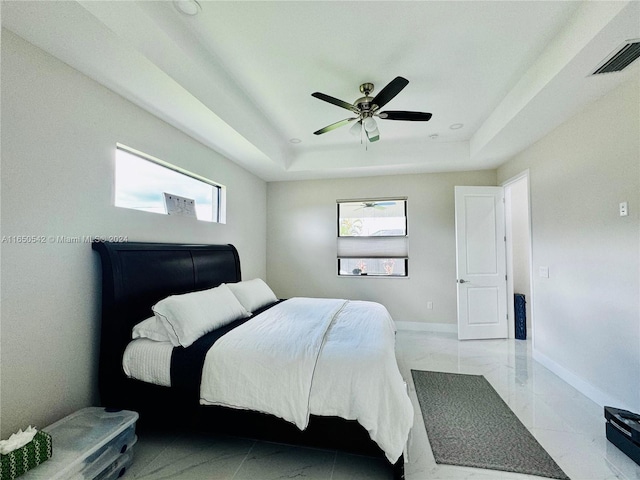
(621, 58)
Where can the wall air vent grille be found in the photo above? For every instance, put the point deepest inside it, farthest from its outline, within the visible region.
(621, 59)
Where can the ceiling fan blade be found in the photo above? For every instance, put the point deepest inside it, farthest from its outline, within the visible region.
(401, 115)
(334, 101)
(333, 126)
(393, 88)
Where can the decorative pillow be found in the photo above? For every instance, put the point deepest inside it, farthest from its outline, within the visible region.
(189, 316)
(151, 328)
(253, 294)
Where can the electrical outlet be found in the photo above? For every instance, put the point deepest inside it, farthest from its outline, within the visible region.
(430, 305)
(624, 209)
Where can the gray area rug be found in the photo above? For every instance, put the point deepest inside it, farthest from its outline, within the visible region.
(469, 424)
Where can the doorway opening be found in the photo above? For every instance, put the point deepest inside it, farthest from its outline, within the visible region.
(518, 248)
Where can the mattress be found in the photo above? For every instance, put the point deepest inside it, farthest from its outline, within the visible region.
(148, 361)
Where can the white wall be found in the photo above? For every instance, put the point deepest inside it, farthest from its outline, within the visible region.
(301, 242)
(587, 313)
(59, 131)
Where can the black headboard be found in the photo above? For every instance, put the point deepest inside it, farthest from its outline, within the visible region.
(137, 275)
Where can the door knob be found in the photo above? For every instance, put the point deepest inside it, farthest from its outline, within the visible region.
(462, 281)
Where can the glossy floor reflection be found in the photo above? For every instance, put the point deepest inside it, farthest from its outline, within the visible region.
(567, 424)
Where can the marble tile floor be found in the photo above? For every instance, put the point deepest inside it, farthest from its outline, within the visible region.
(566, 423)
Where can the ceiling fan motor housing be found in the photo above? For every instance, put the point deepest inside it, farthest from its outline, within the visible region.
(364, 104)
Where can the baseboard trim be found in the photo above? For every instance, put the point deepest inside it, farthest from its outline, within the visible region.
(593, 393)
(427, 327)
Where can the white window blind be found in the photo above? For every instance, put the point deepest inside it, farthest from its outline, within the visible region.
(373, 247)
(372, 237)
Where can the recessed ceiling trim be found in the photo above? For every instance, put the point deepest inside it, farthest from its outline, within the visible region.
(621, 58)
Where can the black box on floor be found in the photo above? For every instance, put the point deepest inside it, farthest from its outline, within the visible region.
(520, 310)
(623, 430)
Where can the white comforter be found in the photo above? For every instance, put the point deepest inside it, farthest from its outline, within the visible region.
(332, 357)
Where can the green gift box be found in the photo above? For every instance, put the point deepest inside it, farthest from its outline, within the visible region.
(14, 464)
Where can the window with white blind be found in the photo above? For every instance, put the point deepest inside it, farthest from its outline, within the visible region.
(372, 237)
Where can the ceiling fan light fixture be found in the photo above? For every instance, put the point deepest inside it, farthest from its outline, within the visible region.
(355, 129)
(373, 135)
(369, 124)
(187, 7)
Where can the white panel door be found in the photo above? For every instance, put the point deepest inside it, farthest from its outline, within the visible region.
(481, 263)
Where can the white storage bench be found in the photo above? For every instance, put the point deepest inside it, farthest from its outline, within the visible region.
(91, 444)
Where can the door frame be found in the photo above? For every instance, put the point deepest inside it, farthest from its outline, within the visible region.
(509, 251)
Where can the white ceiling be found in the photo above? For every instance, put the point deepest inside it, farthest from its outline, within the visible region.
(239, 75)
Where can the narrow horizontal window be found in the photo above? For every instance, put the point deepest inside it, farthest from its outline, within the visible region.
(146, 183)
(389, 267)
(372, 237)
(372, 218)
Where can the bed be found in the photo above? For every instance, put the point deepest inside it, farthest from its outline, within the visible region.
(137, 276)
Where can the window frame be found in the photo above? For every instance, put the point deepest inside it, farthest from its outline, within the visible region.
(402, 247)
(219, 216)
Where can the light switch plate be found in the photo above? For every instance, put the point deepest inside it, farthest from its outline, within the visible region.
(624, 209)
(544, 272)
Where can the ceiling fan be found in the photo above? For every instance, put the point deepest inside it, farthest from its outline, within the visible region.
(366, 108)
(378, 205)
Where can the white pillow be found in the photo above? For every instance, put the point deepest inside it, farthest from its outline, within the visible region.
(253, 294)
(151, 328)
(189, 316)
